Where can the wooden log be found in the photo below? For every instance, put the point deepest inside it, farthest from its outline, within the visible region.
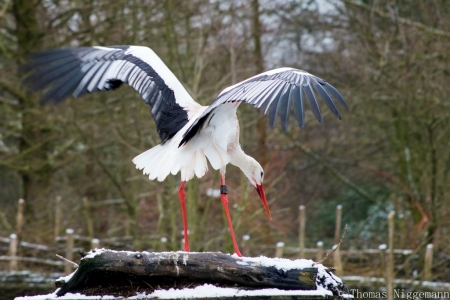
(245, 250)
(69, 251)
(144, 270)
(163, 244)
(58, 214)
(95, 243)
(319, 253)
(279, 249)
(20, 218)
(337, 260)
(428, 262)
(390, 260)
(337, 230)
(382, 249)
(13, 252)
(301, 230)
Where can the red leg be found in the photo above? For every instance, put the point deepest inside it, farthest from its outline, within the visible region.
(182, 195)
(224, 198)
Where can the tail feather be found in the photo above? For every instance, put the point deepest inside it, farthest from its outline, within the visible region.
(141, 160)
(163, 167)
(152, 162)
(201, 165)
(217, 156)
(162, 160)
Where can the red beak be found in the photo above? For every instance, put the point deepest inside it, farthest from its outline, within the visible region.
(260, 190)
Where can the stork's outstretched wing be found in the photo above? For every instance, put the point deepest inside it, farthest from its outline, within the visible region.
(79, 71)
(273, 92)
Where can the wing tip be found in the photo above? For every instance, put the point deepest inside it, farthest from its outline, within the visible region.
(336, 94)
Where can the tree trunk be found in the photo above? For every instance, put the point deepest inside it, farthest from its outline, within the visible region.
(27, 33)
(259, 65)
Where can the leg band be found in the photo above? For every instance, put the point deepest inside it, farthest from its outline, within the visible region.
(223, 189)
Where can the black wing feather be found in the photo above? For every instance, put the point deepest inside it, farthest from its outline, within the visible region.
(58, 92)
(89, 74)
(44, 58)
(299, 111)
(273, 111)
(93, 85)
(284, 98)
(78, 71)
(288, 84)
(335, 93)
(312, 101)
(284, 109)
(48, 74)
(327, 99)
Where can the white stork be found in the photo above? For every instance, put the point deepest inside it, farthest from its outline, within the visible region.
(189, 132)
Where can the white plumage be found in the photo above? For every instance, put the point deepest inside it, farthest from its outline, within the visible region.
(164, 159)
(216, 142)
(182, 97)
(191, 134)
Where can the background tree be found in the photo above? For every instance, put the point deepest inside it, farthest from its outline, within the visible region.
(388, 58)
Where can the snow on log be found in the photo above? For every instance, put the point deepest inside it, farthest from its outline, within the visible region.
(125, 273)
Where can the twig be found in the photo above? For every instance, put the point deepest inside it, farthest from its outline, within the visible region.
(336, 173)
(4, 9)
(331, 251)
(5, 221)
(68, 261)
(419, 25)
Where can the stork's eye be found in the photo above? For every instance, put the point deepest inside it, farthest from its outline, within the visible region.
(262, 174)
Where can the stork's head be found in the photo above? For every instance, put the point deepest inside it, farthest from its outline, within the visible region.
(255, 174)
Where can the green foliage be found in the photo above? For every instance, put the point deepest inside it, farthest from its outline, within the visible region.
(366, 220)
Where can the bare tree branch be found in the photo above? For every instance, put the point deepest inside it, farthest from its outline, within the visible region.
(405, 21)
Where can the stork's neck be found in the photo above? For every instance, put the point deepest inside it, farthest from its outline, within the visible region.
(246, 163)
(239, 158)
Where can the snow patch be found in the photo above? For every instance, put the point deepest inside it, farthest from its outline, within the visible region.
(66, 278)
(278, 263)
(329, 279)
(203, 291)
(211, 291)
(93, 253)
